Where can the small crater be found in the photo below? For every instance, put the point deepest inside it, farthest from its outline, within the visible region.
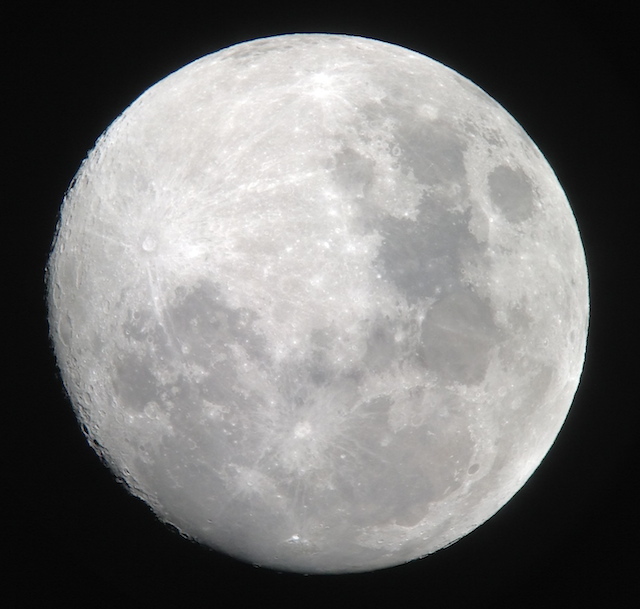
(302, 429)
(473, 469)
(149, 244)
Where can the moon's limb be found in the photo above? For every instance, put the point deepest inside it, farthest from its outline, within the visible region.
(320, 301)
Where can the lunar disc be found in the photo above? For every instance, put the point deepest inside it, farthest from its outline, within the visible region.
(320, 302)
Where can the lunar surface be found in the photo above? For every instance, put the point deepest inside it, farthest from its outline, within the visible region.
(320, 302)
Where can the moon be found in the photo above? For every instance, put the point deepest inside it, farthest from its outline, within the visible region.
(320, 302)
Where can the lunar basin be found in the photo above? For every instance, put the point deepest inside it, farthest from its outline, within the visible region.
(320, 302)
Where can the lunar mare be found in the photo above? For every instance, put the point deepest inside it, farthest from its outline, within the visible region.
(319, 301)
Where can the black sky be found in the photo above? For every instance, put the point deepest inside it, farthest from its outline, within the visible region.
(568, 539)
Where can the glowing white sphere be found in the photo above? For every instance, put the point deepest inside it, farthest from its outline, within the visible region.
(320, 302)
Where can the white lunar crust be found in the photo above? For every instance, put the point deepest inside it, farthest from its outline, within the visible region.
(320, 301)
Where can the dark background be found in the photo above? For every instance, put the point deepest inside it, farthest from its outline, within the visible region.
(568, 539)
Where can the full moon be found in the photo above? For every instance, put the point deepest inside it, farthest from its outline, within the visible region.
(320, 302)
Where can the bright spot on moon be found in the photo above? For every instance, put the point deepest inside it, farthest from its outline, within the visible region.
(320, 302)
